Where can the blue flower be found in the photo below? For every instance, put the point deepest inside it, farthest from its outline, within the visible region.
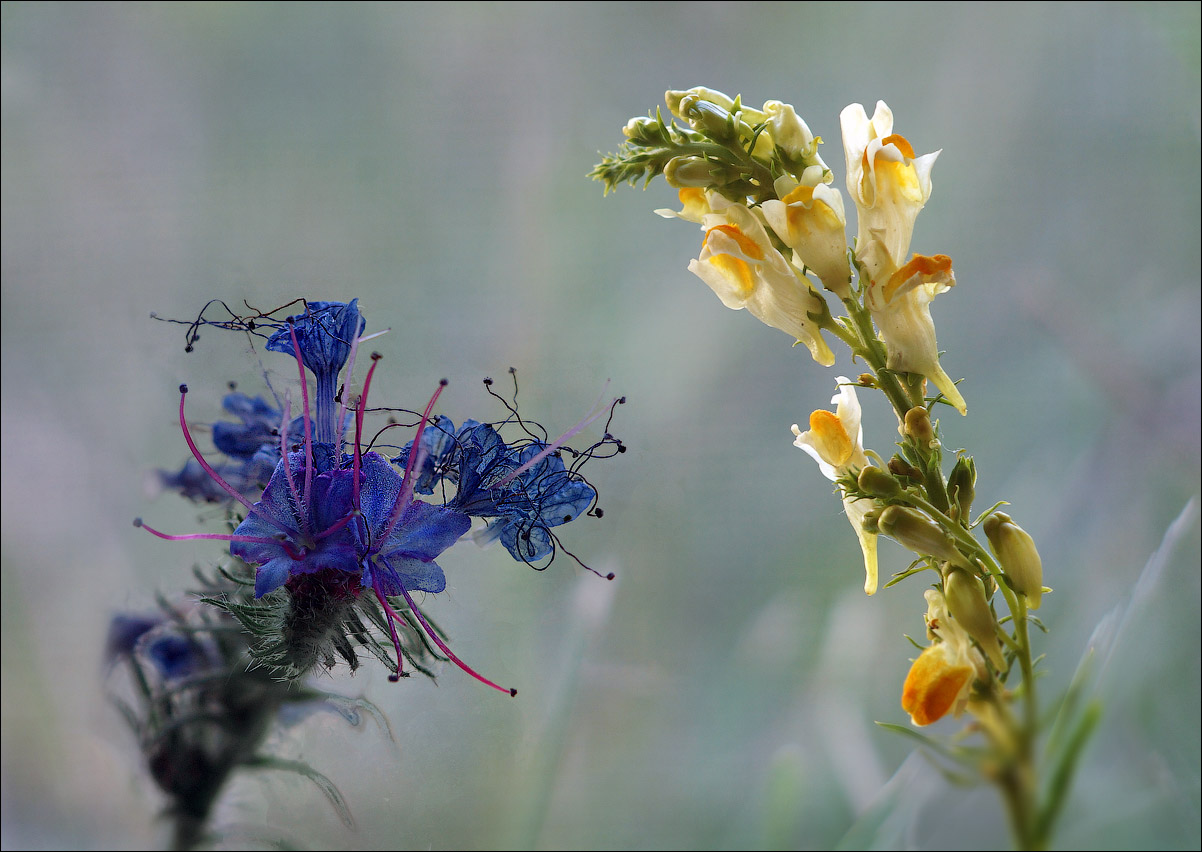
(522, 504)
(400, 541)
(298, 526)
(324, 333)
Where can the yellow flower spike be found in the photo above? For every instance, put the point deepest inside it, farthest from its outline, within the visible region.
(836, 441)
(938, 683)
(744, 269)
(900, 306)
(810, 220)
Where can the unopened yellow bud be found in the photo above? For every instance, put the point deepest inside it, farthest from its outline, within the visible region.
(691, 171)
(900, 467)
(961, 484)
(1015, 550)
(966, 602)
(915, 531)
(878, 483)
(918, 426)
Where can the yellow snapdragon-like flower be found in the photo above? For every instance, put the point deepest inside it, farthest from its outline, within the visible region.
(888, 184)
(836, 441)
(940, 680)
(745, 270)
(810, 220)
(901, 308)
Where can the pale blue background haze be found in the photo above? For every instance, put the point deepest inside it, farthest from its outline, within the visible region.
(430, 159)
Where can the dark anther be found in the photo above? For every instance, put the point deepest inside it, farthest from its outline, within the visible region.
(621, 400)
(526, 536)
(183, 388)
(513, 693)
(394, 678)
(250, 325)
(137, 522)
(598, 513)
(610, 575)
(443, 383)
(567, 518)
(487, 380)
(376, 356)
(621, 448)
(188, 348)
(512, 370)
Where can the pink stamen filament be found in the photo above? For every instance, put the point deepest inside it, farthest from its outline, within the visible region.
(300, 366)
(337, 525)
(406, 496)
(300, 509)
(359, 431)
(250, 539)
(392, 629)
(442, 645)
(346, 388)
(229, 489)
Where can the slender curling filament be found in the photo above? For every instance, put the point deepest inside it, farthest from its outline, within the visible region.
(554, 445)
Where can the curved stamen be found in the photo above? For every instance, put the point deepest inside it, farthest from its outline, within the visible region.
(360, 408)
(396, 641)
(229, 489)
(442, 645)
(346, 386)
(300, 510)
(251, 539)
(406, 496)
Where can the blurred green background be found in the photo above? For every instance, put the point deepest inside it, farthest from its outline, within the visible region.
(430, 159)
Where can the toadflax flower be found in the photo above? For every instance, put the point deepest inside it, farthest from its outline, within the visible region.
(745, 270)
(836, 441)
(940, 680)
(810, 220)
(889, 185)
(334, 533)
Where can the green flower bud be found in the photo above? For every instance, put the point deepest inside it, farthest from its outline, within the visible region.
(962, 484)
(918, 426)
(900, 467)
(915, 531)
(966, 602)
(643, 130)
(1015, 550)
(878, 483)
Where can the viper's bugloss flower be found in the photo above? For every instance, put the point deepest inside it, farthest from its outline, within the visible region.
(836, 441)
(331, 525)
(522, 489)
(744, 269)
(940, 680)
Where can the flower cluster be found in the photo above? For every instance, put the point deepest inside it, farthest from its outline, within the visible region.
(336, 536)
(775, 244)
(200, 710)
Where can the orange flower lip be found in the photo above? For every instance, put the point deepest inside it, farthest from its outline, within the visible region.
(934, 684)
